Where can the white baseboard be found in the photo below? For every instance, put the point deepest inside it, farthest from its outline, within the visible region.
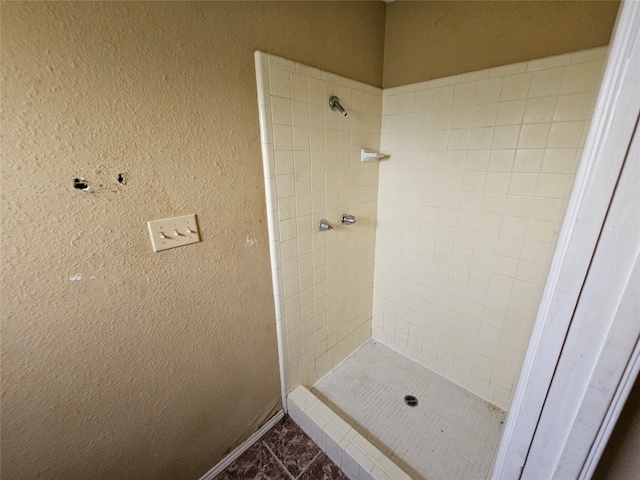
(243, 447)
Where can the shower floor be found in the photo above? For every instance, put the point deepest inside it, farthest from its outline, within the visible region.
(450, 434)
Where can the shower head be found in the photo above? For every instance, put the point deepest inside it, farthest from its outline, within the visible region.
(334, 103)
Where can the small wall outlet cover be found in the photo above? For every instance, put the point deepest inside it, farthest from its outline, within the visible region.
(173, 232)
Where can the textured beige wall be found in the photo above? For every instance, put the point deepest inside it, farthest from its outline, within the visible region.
(426, 40)
(119, 362)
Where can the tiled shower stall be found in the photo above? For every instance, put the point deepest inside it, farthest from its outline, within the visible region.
(455, 228)
(323, 281)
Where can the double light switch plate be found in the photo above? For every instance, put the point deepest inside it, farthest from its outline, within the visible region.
(173, 232)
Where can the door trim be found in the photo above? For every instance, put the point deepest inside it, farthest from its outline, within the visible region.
(609, 136)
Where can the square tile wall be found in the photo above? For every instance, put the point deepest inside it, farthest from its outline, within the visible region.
(470, 204)
(323, 281)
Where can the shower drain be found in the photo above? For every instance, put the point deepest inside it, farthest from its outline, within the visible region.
(411, 400)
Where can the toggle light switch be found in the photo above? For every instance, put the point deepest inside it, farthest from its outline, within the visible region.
(173, 232)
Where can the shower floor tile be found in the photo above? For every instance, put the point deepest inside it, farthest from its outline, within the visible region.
(451, 434)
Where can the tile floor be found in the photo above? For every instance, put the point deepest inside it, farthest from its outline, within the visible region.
(284, 453)
(450, 434)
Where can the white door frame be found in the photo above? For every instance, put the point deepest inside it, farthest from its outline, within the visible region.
(602, 340)
(609, 138)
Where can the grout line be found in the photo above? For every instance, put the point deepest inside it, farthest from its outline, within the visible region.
(310, 463)
(279, 461)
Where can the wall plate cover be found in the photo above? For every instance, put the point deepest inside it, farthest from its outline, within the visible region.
(173, 232)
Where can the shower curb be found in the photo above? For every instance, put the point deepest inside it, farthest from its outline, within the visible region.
(353, 453)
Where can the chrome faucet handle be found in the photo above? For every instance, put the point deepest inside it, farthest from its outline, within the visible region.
(348, 219)
(323, 226)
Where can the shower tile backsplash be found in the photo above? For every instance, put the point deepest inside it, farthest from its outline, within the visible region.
(470, 204)
(323, 281)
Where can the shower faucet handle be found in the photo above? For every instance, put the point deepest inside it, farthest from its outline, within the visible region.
(323, 226)
(348, 219)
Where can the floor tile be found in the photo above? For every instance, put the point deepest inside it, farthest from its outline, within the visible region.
(450, 434)
(298, 457)
(257, 463)
(323, 469)
(292, 446)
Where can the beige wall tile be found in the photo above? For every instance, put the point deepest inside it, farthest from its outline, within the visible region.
(467, 221)
(319, 175)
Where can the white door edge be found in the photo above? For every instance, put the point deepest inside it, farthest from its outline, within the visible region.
(609, 137)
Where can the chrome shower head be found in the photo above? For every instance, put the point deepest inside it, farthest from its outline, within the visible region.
(334, 103)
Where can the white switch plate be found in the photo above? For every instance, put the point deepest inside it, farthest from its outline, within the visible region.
(177, 232)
